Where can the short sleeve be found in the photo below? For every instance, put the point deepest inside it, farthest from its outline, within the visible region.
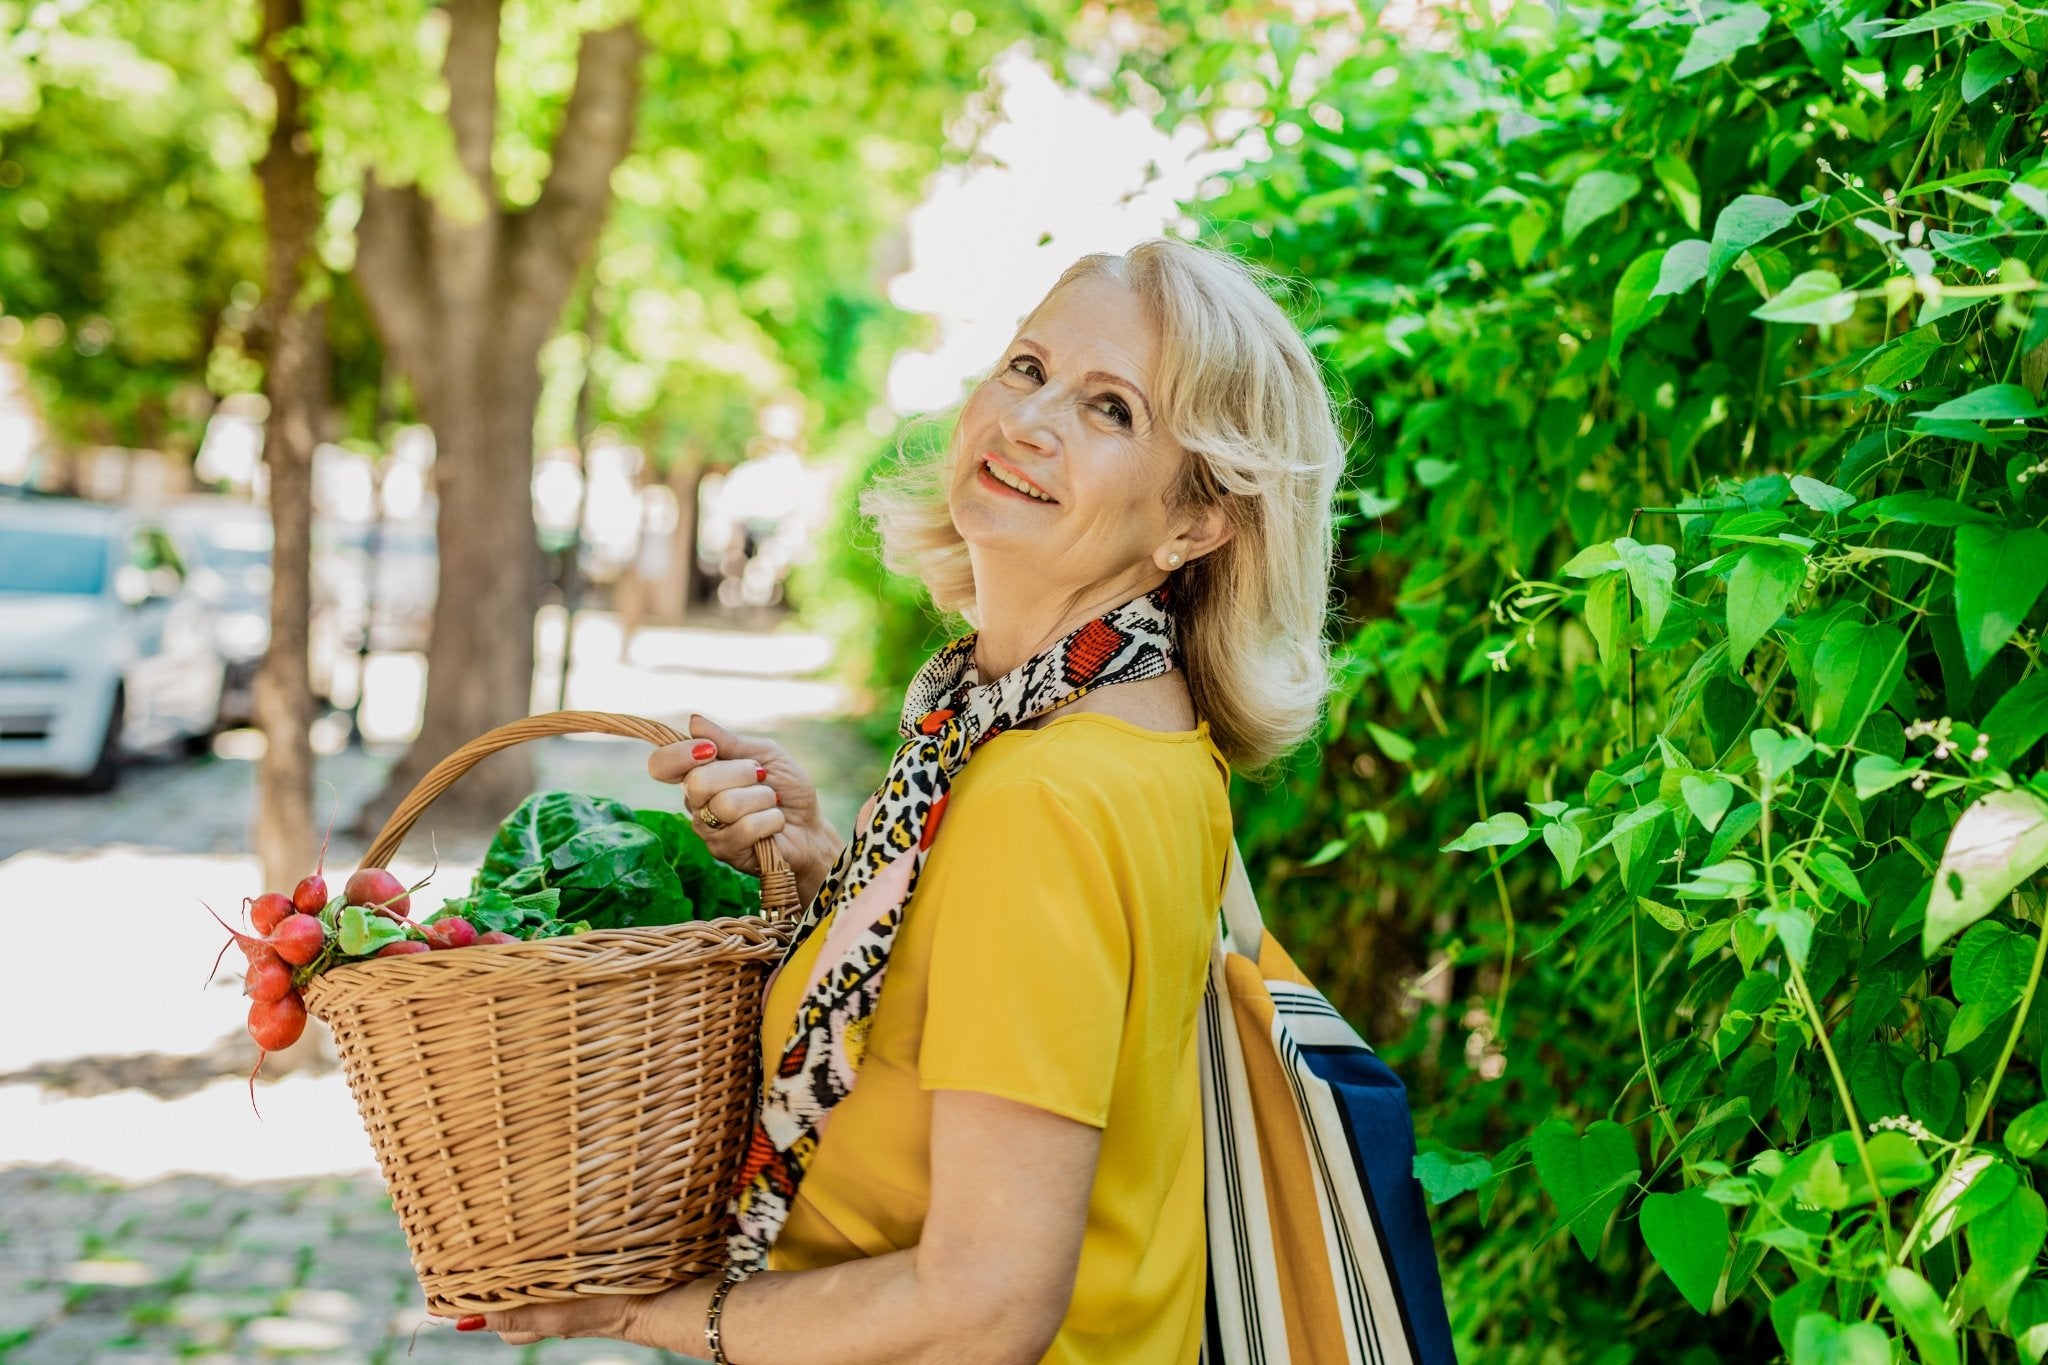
(1031, 956)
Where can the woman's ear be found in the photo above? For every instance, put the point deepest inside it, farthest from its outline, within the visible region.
(1209, 529)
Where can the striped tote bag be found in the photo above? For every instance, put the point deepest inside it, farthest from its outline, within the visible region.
(1319, 1243)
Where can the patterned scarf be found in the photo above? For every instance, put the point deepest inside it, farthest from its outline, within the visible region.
(947, 714)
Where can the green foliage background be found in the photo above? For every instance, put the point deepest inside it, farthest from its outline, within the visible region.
(1677, 824)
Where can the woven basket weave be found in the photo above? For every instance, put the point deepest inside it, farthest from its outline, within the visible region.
(567, 1116)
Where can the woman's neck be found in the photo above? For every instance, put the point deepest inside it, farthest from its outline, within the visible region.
(1021, 619)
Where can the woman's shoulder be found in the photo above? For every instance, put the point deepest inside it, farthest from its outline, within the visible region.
(1102, 766)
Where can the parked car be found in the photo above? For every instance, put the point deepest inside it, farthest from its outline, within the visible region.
(106, 645)
(227, 545)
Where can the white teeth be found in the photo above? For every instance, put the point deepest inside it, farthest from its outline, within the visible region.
(1008, 481)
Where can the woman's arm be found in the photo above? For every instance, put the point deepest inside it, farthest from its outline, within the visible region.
(989, 1282)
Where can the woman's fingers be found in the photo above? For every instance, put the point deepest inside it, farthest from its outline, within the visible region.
(731, 802)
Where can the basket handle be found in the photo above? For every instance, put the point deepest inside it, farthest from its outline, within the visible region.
(778, 882)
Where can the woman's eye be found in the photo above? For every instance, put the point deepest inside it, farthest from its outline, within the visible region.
(1027, 366)
(1119, 411)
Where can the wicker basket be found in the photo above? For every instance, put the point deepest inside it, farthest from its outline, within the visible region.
(567, 1116)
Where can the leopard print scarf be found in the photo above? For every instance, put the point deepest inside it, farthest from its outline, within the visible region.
(947, 714)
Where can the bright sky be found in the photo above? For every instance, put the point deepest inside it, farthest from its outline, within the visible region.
(1060, 165)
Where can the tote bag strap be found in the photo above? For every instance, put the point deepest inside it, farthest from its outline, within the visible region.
(1241, 909)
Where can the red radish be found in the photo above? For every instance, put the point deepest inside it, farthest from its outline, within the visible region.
(403, 948)
(450, 933)
(267, 982)
(497, 936)
(299, 939)
(309, 897)
(255, 949)
(376, 888)
(277, 1024)
(268, 910)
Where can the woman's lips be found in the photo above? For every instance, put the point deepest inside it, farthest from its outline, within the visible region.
(989, 480)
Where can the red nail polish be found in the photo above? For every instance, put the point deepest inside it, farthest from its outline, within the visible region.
(703, 749)
(760, 772)
(473, 1323)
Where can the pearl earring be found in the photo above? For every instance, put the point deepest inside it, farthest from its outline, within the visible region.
(1172, 560)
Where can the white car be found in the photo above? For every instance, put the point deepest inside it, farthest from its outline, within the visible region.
(105, 645)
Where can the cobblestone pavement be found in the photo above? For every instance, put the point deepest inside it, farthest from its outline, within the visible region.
(145, 1214)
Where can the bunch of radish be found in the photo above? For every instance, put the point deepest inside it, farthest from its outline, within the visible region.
(296, 938)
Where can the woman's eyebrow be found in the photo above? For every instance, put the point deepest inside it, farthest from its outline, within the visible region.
(1098, 376)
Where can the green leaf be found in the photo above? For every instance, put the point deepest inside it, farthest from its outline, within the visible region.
(1495, 831)
(1922, 509)
(2028, 1132)
(1718, 881)
(1708, 798)
(1933, 1089)
(2005, 1240)
(1329, 852)
(1587, 1176)
(1876, 774)
(1830, 868)
(1918, 1309)
(1595, 195)
(362, 933)
(1747, 220)
(1593, 561)
(2001, 840)
(1606, 616)
(1446, 1174)
(1816, 296)
(1399, 748)
(1565, 843)
(1985, 69)
(1778, 754)
(1992, 403)
(1688, 1234)
(1761, 587)
(1855, 667)
(2019, 718)
(1683, 187)
(1635, 303)
(1794, 928)
(1990, 966)
(1713, 43)
(1652, 570)
(1821, 497)
(1818, 1339)
(2000, 572)
(1684, 265)
(1947, 16)
(1980, 1184)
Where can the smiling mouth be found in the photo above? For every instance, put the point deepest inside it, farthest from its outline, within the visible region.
(995, 473)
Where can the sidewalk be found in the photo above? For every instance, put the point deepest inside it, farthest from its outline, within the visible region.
(145, 1213)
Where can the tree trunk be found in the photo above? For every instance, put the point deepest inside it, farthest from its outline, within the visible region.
(296, 383)
(464, 296)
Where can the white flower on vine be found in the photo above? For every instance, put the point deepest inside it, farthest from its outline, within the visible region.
(1903, 1124)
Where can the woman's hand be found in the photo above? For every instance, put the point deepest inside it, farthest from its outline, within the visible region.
(597, 1315)
(758, 792)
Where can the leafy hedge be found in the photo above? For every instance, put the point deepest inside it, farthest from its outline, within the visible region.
(1697, 559)
(1678, 824)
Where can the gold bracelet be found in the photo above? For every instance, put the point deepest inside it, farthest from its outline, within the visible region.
(714, 1347)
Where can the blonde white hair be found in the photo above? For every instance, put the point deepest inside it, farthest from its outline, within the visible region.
(1238, 389)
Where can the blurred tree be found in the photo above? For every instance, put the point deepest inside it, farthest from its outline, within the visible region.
(296, 382)
(129, 227)
(774, 147)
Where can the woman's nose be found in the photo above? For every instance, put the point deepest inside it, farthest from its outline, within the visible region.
(1029, 422)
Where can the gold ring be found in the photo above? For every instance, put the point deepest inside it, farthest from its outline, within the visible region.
(709, 820)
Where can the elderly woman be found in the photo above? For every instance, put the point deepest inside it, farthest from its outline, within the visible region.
(1134, 515)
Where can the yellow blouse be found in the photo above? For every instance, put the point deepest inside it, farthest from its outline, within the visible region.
(1055, 953)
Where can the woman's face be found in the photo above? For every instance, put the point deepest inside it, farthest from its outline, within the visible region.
(1068, 412)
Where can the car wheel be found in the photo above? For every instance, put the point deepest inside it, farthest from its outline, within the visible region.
(106, 769)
